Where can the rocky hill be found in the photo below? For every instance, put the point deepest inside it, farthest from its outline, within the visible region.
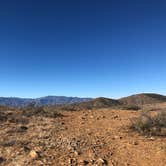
(92, 104)
(142, 99)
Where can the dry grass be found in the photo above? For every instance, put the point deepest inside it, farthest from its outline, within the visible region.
(152, 125)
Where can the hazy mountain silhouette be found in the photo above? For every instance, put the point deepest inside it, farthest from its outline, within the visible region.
(48, 100)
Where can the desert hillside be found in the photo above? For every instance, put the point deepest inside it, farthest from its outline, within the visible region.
(144, 98)
(75, 138)
(93, 104)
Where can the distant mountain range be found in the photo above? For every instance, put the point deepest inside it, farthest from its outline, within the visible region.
(48, 100)
(84, 103)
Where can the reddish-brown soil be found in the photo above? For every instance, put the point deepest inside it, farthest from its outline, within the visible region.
(99, 137)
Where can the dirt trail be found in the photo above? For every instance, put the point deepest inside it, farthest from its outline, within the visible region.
(99, 137)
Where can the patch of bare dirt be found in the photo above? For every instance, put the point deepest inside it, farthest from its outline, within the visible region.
(98, 137)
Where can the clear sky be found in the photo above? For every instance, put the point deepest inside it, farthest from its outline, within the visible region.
(90, 48)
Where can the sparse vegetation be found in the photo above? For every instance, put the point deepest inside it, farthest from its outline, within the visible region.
(97, 103)
(131, 107)
(72, 135)
(152, 125)
(142, 99)
(40, 111)
(2, 117)
(86, 133)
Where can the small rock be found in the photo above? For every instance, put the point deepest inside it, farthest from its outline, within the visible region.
(152, 138)
(83, 162)
(101, 161)
(39, 163)
(37, 149)
(115, 117)
(91, 116)
(111, 164)
(76, 153)
(91, 154)
(117, 137)
(33, 154)
(135, 143)
(72, 161)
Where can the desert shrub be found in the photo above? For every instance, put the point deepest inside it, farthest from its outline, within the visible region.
(40, 111)
(22, 129)
(3, 117)
(67, 107)
(131, 107)
(19, 119)
(13, 117)
(55, 114)
(147, 124)
(31, 111)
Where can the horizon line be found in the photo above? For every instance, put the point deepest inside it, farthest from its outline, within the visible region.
(23, 97)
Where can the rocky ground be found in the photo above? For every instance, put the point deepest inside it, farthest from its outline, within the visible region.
(98, 137)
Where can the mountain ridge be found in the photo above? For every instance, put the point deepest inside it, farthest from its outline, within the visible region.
(143, 98)
(41, 101)
(130, 102)
(136, 99)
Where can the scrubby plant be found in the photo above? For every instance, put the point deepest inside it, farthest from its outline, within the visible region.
(131, 107)
(152, 125)
(41, 111)
(3, 117)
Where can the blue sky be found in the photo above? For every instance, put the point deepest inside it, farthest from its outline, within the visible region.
(109, 48)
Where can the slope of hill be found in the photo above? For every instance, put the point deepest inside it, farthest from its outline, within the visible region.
(48, 100)
(100, 103)
(142, 99)
(93, 104)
